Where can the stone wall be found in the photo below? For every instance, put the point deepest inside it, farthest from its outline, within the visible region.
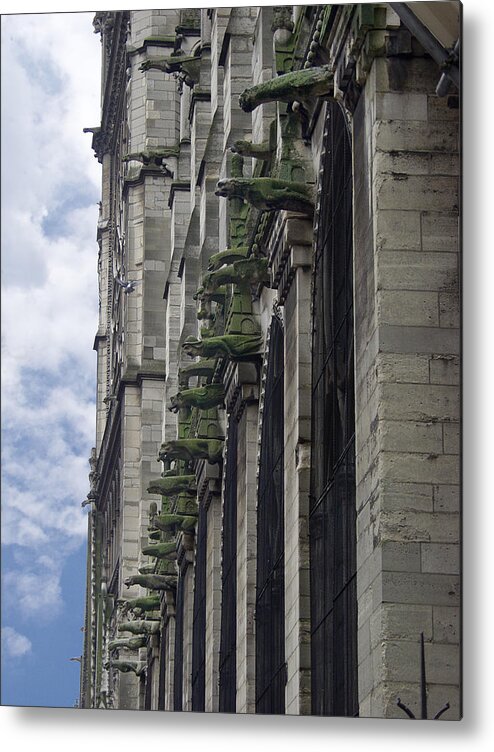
(406, 323)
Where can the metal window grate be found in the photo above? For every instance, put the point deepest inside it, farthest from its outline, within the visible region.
(270, 585)
(178, 658)
(162, 669)
(199, 615)
(332, 521)
(228, 639)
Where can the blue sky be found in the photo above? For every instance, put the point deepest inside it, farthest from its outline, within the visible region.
(50, 192)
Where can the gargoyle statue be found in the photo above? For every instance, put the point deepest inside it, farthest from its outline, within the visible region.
(217, 296)
(152, 158)
(228, 256)
(161, 551)
(262, 151)
(297, 86)
(147, 603)
(174, 484)
(169, 523)
(243, 273)
(152, 581)
(192, 449)
(146, 569)
(129, 643)
(140, 627)
(269, 194)
(203, 397)
(187, 67)
(137, 667)
(233, 346)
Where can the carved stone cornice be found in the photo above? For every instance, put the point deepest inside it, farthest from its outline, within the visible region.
(291, 245)
(185, 552)
(177, 186)
(208, 483)
(114, 27)
(242, 386)
(199, 94)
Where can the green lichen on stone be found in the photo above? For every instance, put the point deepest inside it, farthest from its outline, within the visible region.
(161, 551)
(201, 368)
(146, 569)
(152, 581)
(140, 627)
(173, 485)
(217, 296)
(146, 603)
(228, 256)
(240, 317)
(130, 643)
(192, 449)
(297, 86)
(262, 151)
(202, 397)
(170, 523)
(269, 194)
(186, 506)
(232, 346)
(208, 425)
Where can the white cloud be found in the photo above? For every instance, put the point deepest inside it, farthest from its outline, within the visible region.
(14, 644)
(35, 594)
(50, 189)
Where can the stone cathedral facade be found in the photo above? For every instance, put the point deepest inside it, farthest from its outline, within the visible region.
(274, 514)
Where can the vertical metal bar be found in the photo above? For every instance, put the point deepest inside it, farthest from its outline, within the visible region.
(423, 685)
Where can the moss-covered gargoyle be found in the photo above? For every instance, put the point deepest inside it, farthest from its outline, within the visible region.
(188, 67)
(203, 397)
(147, 603)
(170, 523)
(243, 273)
(248, 149)
(232, 346)
(192, 449)
(129, 643)
(297, 86)
(140, 627)
(174, 484)
(136, 667)
(152, 581)
(161, 551)
(228, 256)
(269, 194)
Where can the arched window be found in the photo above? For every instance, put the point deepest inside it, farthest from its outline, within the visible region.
(270, 584)
(162, 669)
(228, 639)
(178, 657)
(332, 508)
(199, 614)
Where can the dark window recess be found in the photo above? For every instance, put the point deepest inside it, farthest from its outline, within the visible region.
(199, 614)
(149, 681)
(270, 585)
(228, 639)
(162, 676)
(178, 658)
(332, 521)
